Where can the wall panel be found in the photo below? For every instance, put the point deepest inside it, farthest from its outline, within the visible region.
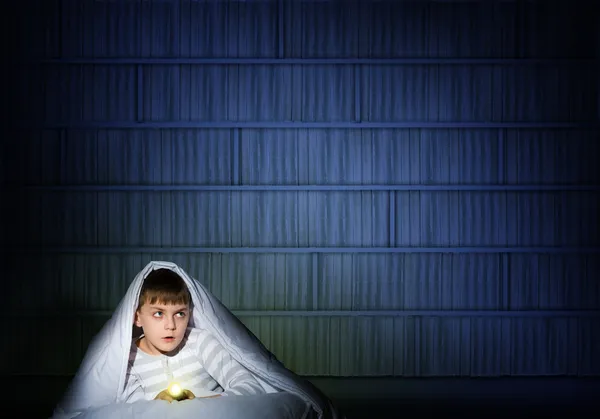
(315, 93)
(355, 346)
(539, 158)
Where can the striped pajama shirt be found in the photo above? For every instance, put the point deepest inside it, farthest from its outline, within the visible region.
(201, 364)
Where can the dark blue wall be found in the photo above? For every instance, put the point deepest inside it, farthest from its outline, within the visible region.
(412, 185)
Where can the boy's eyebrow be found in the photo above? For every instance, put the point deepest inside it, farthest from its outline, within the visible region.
(181, 308)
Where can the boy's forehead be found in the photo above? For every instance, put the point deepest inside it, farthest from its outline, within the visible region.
(166, 306)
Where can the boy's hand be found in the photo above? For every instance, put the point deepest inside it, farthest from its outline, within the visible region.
(188, 395)
(165, 395)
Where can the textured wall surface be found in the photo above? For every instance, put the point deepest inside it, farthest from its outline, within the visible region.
(377, 188)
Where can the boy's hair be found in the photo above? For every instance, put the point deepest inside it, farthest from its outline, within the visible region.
(163, 286)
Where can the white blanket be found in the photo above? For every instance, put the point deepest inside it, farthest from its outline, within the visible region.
(98, 385)
(279, 405)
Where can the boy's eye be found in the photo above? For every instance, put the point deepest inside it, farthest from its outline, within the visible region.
(160, 313)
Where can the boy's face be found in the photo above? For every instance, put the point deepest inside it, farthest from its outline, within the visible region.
(164, 326)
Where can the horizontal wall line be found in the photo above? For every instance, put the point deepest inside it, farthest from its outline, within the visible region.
(298, 124)
(308, 61)
(349, 313)
(308, 188)
(187, 250)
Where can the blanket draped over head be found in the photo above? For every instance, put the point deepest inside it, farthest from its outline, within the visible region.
(100, 379)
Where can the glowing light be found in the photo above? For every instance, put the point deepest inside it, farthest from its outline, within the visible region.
(175, 390)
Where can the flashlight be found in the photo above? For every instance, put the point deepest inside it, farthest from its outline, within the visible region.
(176, 391)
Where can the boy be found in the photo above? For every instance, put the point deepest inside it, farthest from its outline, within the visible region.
(170, 352)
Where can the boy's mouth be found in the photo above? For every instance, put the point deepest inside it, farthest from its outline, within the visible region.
(168, 338)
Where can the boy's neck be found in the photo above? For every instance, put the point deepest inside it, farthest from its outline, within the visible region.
(142, 345)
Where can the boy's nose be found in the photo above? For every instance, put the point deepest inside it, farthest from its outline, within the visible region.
(170, 324)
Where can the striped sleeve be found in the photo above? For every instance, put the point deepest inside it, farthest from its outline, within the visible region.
(230, 374)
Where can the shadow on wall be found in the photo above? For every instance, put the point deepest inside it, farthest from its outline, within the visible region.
(584, 40)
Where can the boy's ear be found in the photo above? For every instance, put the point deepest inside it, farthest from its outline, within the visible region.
(137, 321)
